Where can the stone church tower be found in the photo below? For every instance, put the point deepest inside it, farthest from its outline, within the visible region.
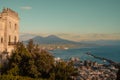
(9, 29)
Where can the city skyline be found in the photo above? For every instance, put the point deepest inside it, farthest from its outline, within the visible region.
(79, 19)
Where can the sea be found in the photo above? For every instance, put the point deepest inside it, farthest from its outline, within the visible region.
(109, 52)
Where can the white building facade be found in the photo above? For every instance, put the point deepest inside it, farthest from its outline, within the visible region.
(9, 29)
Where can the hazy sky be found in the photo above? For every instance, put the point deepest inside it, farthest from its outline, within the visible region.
(67, 16)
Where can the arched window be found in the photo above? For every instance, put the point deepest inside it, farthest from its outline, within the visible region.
(9, 38)
(10, 24)
(15, 39)
(15, 26)
(1, 40)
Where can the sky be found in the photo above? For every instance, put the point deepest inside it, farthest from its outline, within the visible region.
(68, 18)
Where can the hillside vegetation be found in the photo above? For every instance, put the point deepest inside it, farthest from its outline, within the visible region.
(31, 63)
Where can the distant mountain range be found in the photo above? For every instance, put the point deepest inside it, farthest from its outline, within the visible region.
(55, 40)
(26, 36)
(103, 42)
(52, 39)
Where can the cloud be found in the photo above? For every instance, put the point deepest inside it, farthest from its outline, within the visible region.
(81, 37)
(26, 8)
(91, 36)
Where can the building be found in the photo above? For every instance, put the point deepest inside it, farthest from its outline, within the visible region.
(9, 30)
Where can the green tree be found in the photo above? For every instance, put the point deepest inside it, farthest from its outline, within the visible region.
(44, 61)
(63, 70)
(33, 62)
(30, 46)
(21, 62)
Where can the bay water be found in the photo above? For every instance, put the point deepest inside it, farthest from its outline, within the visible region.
(109, 52)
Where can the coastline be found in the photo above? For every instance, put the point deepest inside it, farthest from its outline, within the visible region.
(104, 51)
(111, 62)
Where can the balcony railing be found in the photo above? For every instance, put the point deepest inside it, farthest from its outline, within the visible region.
(12, 43)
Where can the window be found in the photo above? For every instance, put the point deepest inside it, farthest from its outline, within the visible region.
(10, 24)
(15, 39)
(15, 26)
(9, 38)
(1, 40)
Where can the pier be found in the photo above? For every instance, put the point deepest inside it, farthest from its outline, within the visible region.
(117, 65)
